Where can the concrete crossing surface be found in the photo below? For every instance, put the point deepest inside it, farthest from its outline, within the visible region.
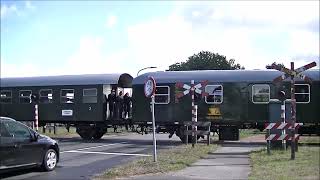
(229, 161)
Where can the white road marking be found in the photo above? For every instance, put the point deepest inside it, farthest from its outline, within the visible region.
(93, 147)
(105, 153)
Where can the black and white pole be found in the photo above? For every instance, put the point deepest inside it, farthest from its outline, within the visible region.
(194, 115)
(36, 117)
(154, 130)
(283, 117)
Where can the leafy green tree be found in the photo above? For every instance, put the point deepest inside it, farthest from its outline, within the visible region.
(274, 63)
(206, 60)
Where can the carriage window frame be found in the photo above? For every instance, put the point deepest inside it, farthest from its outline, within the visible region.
(9, 97)
(49, 101)
(84, 97)
(308, 93)
(167, 95)
(66, 96)
(25, 98)
(252, 94)
(213, 94)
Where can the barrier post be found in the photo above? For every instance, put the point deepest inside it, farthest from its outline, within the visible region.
(268, 142)
(193, 117)
(293, 113)
(283, 117)
(36, 116)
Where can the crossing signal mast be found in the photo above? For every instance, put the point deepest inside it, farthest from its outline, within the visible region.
(293, 73)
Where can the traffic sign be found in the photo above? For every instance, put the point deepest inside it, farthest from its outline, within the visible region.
(150, 87)
(187, 88)
(295, 73)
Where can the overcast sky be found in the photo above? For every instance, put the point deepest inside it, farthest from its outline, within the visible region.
(81, 37)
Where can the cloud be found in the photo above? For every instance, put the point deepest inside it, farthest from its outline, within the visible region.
(28, 5)
(7, 10)
(111, 21)
(253, 33)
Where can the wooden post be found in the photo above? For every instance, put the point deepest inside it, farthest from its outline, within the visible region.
(293, 113)
(268, 142)
(187, 135)
(208, 141)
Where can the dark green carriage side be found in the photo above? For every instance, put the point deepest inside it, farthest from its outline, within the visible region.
(237, 107)
(52, 112)
(85, 105)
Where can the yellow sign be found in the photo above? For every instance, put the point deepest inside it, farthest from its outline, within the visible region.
(214, 111)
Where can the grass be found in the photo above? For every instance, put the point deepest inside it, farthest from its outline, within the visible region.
(309, 140)
(172, 159)
(279, 166)
(249, 132)
(61, 132)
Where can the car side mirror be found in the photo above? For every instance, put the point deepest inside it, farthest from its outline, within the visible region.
(35, 136)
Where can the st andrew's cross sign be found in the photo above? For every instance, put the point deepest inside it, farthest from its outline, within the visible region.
(293, 73)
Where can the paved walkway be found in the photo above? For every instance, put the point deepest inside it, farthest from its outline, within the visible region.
(229, 161)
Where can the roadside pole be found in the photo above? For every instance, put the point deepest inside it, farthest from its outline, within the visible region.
(283, 116)
(154, 131)
(149, 92)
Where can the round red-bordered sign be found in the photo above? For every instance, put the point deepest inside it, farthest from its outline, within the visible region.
(149, 87)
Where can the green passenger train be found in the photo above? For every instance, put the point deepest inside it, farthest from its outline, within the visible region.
(236, 99)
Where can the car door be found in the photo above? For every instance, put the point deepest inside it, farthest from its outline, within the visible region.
(7, 148)
(27, 151)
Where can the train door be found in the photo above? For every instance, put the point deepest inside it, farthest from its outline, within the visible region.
(91, 102)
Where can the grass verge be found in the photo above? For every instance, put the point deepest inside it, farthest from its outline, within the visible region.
(249, 132)
(309, 140)
(60, 132)
(172, 159)
(279, 166)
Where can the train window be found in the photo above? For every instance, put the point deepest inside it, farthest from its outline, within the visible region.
(67, 96)
(302, 93)
(162, 95)
(260, 93)
(24, 96)
(90, 95)
(215, 94)
(45, 96)
(6, 97)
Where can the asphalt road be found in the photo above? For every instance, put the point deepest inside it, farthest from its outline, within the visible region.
(81, 159)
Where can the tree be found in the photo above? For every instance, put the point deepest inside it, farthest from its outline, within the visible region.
(274, 63)
(205, 60)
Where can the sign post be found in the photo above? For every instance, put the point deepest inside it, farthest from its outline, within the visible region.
(149, 91)
(293, 73)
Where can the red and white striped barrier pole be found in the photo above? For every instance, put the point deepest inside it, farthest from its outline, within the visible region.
(282, 137)
(36, 120)
(281, 126)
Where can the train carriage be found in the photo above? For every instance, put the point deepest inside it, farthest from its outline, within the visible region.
(77, 100)
(237, 99)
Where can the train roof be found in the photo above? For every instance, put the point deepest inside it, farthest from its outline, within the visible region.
(218, 76)
(123, 80)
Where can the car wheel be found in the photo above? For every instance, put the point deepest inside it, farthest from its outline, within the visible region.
(50, 160)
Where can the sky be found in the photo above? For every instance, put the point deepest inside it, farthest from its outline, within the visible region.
(40, 38)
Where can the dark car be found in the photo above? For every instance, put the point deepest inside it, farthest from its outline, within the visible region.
(22, 147)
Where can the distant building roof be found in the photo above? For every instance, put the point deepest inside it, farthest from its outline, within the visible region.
(217, 76)
(123, 80)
